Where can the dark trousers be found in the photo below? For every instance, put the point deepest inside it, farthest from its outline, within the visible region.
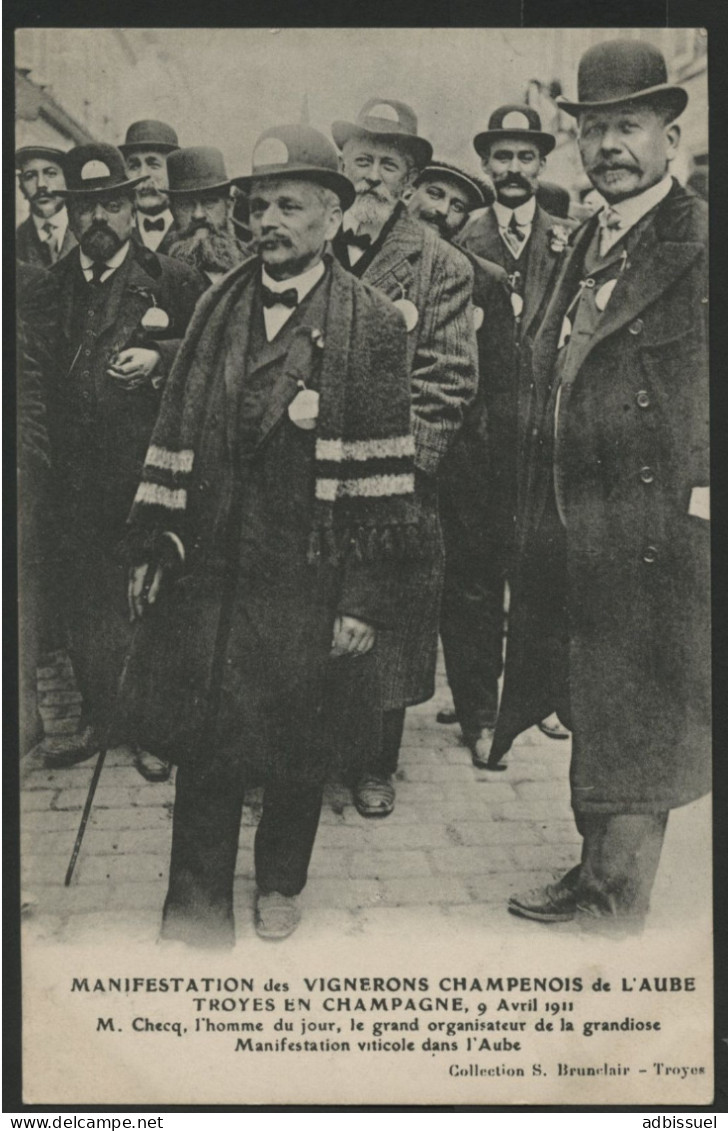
(382, 762)
(619, 861)
(206, 829)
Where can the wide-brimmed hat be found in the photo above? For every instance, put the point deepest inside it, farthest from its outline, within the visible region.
(514, 120)
(198, 168)
(623, 70)
(390, 120)
(95, 168)
(44, 152)
(298, 151)
(150, 134)
(440, 170)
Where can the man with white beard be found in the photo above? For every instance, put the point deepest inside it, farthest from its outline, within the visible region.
(431, 285)
(199, 194)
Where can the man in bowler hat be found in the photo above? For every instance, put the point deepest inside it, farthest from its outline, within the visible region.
(281, 468)
(202, 206)
(431, 284)
(147, 146)
(44, 236)
(121, 312)
(617, 499)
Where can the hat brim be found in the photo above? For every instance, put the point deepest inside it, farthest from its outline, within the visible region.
(31, 152)
(675, 94)
(484, 140)
(419, 147)
(153, 146)
(199, 188)
(434, 173)
(337, 182)
(101, 190)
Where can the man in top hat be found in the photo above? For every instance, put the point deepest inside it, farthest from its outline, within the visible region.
(616, 530)
(146, 148)
(529, 243)
(282, 465)
(444, 196)
(431, 284)
(122, 311)
(44, 236)
(199, 193)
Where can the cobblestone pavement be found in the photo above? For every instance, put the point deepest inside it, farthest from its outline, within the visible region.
(456, 845)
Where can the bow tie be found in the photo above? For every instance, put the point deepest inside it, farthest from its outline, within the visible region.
(609, 220)
(154, 225)
(287, 298)
(351, 238)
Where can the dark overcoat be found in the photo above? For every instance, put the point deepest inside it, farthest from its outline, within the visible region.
(30, 249)
(234, 664)
(632, 446)
(415, 265)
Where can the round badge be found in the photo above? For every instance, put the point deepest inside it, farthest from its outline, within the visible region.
(565, 332)
(154, 318)
(304, 408)
(603, 295)
(477, 317)
(408, 310)
(517, 304)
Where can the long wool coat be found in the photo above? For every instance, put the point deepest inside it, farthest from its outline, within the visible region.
(234, 662)
(633, 444)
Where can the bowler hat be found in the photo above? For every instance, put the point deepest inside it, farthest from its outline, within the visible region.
(149, 134)
(514, 120)
(196, 169)
(95, 168)
(390, 120)
(440, 170)
(298, 152)
(45, 152)
(623, 70)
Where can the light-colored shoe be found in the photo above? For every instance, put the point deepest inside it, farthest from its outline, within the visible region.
(276, 915)
(150, 766)
(553, 728)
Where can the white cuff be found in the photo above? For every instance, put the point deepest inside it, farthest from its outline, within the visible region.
(699, 505)
(177, 543)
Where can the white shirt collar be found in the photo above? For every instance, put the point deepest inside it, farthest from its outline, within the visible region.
(302, 283)
(152, 240)
(635, 207)
(112, 263)
(524, 213)
(59, 222)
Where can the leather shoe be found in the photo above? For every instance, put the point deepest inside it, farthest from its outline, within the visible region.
(276, 915)
(554, 903)
(67, 750)
(150, 766)
(553, 728)
(480, 752)
(446, 716)
(374, 796)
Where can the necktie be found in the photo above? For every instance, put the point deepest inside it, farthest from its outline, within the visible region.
(515, 230)
(153, 225)
(97, 270)
(610, 223)
(287, 298)
(50, 240)
(351, 238)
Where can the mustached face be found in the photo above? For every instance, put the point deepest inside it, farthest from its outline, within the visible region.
(291, 221)
(202, 212)
(514, 167)
(39, 181)
(380, 174)
(102, 226)
(151, 194)
(442, 204)
(626, 149)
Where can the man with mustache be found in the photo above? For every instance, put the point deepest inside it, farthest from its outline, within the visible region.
(518, 234)
(616, 534)
(122, 311)
(431, 285)
(44, 237)
(147, 146)
(199, 192)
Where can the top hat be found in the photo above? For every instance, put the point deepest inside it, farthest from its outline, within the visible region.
(196, 169)
(298, 152)
(95, 168)
(516, 121)
(149, 134)
(623, 70)
(390, 120)
(45, 152)
(440, 170)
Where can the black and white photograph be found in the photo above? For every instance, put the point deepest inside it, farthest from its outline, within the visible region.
(364, 565)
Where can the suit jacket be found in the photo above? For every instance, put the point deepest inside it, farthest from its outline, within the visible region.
(632, 445)
(30, 249)
(415, 264)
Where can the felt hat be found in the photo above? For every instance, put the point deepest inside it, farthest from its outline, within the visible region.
(298, 152)
(44, 152)
(149, 134)
(198, 168)
(623, 70)
(390, 120)
(440, 170)
(514, 120)
(95, 168)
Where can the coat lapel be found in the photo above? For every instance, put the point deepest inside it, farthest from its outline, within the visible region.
(484, 238)
(541, 263)
(391, 269)
(564, 289)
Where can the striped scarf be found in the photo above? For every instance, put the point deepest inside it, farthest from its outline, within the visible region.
(364, 450)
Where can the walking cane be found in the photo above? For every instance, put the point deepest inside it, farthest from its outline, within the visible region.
(108, 730)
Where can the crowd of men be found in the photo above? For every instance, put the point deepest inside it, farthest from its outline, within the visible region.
(280, 431)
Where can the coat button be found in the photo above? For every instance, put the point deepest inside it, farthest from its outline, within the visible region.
(649, 554)
(643, 399)
(647, 475)
(637, 326)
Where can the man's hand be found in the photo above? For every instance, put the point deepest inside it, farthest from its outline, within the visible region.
(143, 588)
(133, 367)
(352, 637)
